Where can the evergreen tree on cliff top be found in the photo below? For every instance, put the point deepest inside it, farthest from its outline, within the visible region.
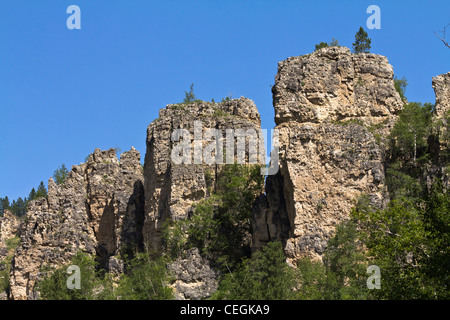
(362, 42)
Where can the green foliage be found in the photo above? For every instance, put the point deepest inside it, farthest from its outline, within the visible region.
(436, 221)
(227, 98)
(146, 279)
(5, 264)
(12, 243)
(32, 194)
(409, 151)
(88, 158)
(342, 275)
(60, 174)
(220, 226)
(19, 207)
(334, 43)
(362, 42)
(344, 265)
(5, 268)
(189, 97)
(41, 191)
(400, 86)
(411, 131)
(266, 276)
(93, 286)
(4, 205)
(409, 243)
(321, 45)
(312, 278)
(220, 113)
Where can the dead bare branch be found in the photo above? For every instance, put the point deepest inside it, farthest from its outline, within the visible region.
(443, 36)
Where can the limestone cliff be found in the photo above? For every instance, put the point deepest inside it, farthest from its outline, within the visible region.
(439, 169)
(441, 86)
(331, 108)
(98, 209)
(171, 189)
(327, 104)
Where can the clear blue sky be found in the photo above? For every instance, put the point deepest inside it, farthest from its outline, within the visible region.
(64, 93)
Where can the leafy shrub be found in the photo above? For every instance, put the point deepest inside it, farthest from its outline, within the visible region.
(93, 285)
(266, 276)
(146, 279)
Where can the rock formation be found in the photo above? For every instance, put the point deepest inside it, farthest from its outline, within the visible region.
(333, 84)
(326, 105)
(441, 86)
(331, 107)
(194, 278)
(98, 209)
(9, 229)
(171, 189)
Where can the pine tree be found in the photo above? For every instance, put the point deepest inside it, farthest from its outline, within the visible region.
(189, 97)
(1, 207)
(60, 174)
(41, 191)
(4, 204)
(362, 42)
(32, 195)
(321, 45)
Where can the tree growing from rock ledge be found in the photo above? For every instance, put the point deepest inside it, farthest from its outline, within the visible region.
(362, 42)
(189, 97)
(60, 174)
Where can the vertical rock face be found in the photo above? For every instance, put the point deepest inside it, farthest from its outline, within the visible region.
(194, 279)
(333, 84)
(9, 228)
(441, 86)
(171, 189)
(98, 209)
(325, 103)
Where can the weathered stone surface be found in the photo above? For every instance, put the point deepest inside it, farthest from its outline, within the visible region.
(9, 229)
(333, 84)
(195, 279)
(9, 226)
(171, 189)
(441, 86)
(324, 103)
(439, 153)
(98, 209)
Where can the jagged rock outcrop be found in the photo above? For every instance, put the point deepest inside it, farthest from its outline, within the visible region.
(98, 209)
(194, 278)
(440, 142)
(332, 84)
(325, 103)
(441, 86)
(171, 189)
(9, 229)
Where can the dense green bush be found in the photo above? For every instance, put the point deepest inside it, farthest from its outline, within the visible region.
(266, 276)
(94, 285)
(220, 225)
(146, 279)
